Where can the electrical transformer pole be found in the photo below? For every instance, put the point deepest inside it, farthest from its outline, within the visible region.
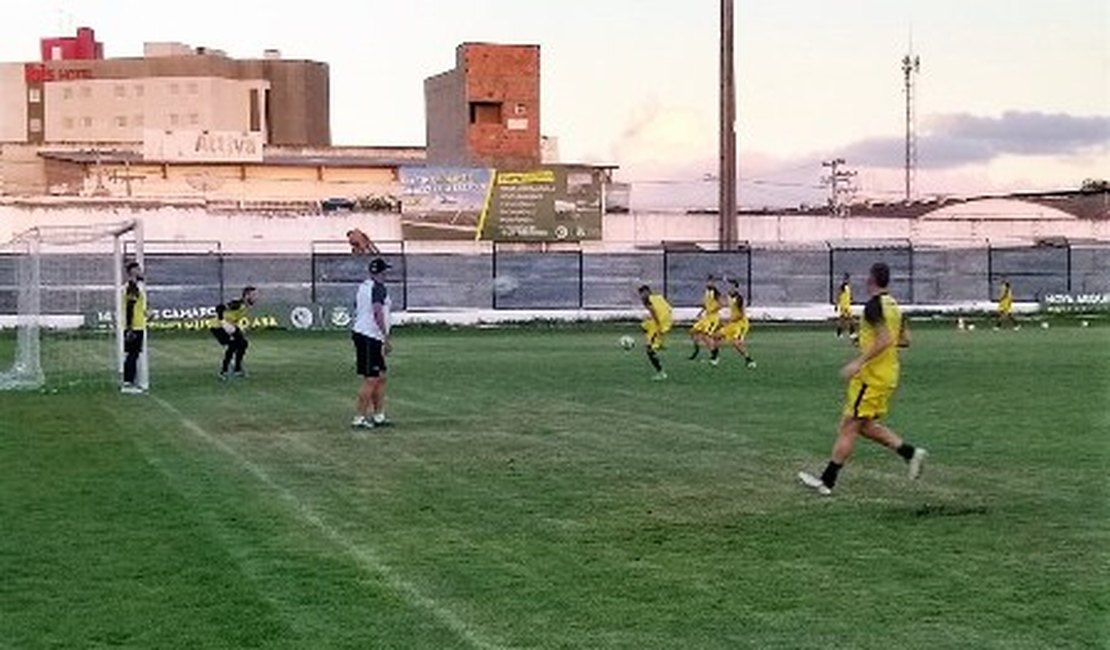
(727, 234)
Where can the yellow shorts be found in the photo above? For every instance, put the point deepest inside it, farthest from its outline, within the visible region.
(845, 312)
(865, 402)
(653, 335)
(1005, 308)
(706, 325)
(735, 331)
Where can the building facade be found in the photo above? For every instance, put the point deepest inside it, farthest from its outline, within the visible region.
(75, 95)
(486, 111)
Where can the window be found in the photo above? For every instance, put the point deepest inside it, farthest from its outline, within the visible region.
(56, 53)
(175, 88)
(86, 92)
(121, 121)
(86, 122)
(67, 93)
(174, 119)
(34, 95)
(68, 122)
(191, 87)
(120, 91)
(485, 112)
(35, 124)
(137, 120)
(139, 90)
(194, 119)
(255, 113)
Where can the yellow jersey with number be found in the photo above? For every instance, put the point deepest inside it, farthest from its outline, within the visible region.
(1006, 300)
(235, 312)
(882, 370)
(736, 313)
(661, 309)
(711, 303)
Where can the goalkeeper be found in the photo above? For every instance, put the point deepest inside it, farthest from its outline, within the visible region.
(229, 331)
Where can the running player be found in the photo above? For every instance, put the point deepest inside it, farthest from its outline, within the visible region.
(872, 378)
(844, 320)
(709, 318)
(736, 330)
(656, 326)
(229, 332)
(1006, 307)
(134, 327)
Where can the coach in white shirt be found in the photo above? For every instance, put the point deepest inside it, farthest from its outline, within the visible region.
(370, 334)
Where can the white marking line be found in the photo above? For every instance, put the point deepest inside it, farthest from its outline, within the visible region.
(367, 558)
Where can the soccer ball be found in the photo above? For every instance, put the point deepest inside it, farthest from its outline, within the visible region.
(1044, 325)
(971, 327)
(1085, 323)
(627, 342)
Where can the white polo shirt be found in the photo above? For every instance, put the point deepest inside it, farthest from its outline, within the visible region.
(369, 294)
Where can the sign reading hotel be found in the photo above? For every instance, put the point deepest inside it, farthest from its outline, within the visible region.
(37, 73)
(543, 204)
(202, 146)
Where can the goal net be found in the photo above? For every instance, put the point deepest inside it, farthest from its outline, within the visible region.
(61, 303)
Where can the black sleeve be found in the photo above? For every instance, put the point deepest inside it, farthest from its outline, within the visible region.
(873, 311)
(220, 309)
(378, 294)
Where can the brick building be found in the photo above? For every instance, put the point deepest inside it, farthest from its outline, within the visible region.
(486, 111)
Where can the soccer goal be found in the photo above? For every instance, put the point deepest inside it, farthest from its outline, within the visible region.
(61, 303)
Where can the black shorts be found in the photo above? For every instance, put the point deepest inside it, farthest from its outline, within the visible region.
(133, 341)
(369, 357)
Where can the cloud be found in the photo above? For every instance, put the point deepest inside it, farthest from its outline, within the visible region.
(955, 140)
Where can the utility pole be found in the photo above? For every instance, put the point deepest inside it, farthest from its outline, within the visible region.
(726, 230)
(841, 187)
(911, 66)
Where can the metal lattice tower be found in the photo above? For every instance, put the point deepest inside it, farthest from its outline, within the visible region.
(911, 66)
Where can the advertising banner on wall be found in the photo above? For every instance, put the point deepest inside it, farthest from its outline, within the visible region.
(543, 204)
(202, 146)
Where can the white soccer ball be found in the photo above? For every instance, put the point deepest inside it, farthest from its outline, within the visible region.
(971, 327)
(1085, 323)
(1044, 325)
(627, 342)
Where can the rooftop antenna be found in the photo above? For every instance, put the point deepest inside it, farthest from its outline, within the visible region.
(911, 67)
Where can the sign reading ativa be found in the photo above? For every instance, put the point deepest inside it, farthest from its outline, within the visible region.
(202, 146)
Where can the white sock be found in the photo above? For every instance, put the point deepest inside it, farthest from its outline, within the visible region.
(379, 417)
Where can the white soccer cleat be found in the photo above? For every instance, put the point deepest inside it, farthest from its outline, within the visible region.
(131, 389)
(660, 376)
(714, 362)
(917, 462)
(751, 365)
(814, 483)
(361, 422)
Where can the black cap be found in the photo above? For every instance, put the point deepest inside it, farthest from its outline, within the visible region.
(378, 265)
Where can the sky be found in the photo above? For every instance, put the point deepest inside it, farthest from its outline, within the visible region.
(1012, 94)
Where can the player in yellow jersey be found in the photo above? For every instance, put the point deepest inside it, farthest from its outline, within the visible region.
(134, 327)
(735, 332)
(844, 320)
(705, 328)
(229, 331)
(872, 378)
(656, 326)
(1006, 307)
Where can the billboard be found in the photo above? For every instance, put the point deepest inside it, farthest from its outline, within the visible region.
(553, 203)
(202, 146)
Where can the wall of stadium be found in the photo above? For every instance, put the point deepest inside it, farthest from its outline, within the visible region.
(279, 230)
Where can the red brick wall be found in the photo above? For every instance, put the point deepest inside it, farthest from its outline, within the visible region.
(509, 74)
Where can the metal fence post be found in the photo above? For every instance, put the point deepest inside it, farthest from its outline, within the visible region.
(666, 286)
(990, 268)
(1069, 266)
(494, 271)
(404, 276)
(911, 273)
(581, 280)
(312, 270)
(749, 287)
(832, 295)
(220, 268)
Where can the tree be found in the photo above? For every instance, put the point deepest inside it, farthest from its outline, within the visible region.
(1095, 185)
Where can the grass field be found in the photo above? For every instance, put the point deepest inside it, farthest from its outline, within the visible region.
(539, 491)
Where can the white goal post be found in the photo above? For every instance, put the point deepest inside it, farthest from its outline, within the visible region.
(66, 283)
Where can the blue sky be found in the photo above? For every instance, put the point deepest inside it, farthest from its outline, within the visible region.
(1013, 94)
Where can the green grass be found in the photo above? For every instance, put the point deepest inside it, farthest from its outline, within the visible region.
(539, 491)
